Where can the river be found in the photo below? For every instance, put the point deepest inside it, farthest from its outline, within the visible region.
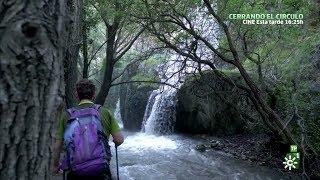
(173, 157)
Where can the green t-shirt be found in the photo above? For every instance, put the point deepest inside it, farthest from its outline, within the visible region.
(109, 123)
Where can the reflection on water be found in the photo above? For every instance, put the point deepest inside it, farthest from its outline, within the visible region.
(144, 156)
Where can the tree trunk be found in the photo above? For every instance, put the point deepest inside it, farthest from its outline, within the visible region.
(86, 61)
(85, 70)
(32, 42)
(71, 60)
(273, 117)
(110, 53)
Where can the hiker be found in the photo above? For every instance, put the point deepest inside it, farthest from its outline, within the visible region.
(84, 130)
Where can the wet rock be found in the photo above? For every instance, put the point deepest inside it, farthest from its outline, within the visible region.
(215, 144)
(214, 141)
(251, 142)
(201, 148)
(201, 110)
(244, 157)
(133, 99)
(133, 106)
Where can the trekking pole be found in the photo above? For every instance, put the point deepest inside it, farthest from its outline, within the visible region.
(117, 160)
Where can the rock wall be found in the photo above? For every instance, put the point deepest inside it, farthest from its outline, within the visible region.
(112, 98)
(207, 104)
(133, 100)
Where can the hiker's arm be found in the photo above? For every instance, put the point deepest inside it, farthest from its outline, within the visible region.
(117, 138)
(115, 130)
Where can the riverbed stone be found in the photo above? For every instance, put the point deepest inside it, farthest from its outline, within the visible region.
(201, 148)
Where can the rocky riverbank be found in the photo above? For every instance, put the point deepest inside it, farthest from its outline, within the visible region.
(255, 149)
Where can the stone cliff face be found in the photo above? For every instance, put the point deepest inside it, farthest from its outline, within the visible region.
(207, 104)
(133, 102)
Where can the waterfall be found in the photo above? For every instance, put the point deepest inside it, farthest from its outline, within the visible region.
(160, 114)
(149, 107)
(159, 117)
(117, 114)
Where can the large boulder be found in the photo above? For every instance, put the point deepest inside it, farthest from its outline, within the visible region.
(207, 104)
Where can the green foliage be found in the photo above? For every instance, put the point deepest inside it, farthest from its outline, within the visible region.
(100, 16)
(111, 10)
(155, 60)
(146, 77)
(285, 55)
(147, 71)
(92, 16)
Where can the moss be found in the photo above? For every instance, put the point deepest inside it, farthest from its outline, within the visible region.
(233, 74)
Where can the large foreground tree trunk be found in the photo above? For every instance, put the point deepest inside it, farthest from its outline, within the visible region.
(32, 43)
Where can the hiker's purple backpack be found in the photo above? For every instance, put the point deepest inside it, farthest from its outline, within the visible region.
(88, 151)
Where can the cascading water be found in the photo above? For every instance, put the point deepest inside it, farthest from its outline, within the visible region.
(149, 108)
(117, 114)
(160, 115)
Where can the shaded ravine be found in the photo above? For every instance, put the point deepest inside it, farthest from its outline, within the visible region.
(144, 156)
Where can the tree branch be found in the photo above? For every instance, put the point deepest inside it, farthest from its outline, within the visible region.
(92, 57)
(129, 45)
(153, 82)
(225, 29)
(137, 59)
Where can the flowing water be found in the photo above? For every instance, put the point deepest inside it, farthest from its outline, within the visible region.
(160, 114)
(117, 114)
(146, 157)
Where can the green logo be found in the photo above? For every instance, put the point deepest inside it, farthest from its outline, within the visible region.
(292, 159)
(293, 148)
